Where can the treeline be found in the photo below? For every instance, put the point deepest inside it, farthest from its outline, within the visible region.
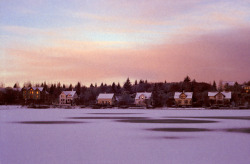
(162, 92)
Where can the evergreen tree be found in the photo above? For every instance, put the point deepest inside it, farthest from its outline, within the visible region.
(214, 86)
(127, 86)
(135, 82)
(118, 88)
(141, 82)
(59, 85)
(113, 87)
(157, 99)
(70, 87)
(187, 79)
(78, 88)
(45, 86)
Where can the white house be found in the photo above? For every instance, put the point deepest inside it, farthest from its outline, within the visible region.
(183, 98)
(143, 98)
(106, 98)
(219, 97)
(67, 97)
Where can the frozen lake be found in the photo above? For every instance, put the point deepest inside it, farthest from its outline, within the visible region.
(44, 136)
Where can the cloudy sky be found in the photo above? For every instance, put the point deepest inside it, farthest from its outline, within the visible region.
(96, 41)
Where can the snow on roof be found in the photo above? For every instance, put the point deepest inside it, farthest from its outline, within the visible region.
(230, 83)
(146, 94)
(69, 93)
(105, 96)
(39, 88)
(17, 89)
(227, 95)
(188, 94)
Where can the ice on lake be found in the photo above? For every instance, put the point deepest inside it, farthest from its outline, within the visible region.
(44, 136)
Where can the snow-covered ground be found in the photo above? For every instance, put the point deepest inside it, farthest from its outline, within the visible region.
(44, 136)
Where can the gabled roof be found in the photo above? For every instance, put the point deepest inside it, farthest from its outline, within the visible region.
(188, 94)
(146, 94)
(69, 93)
(17, 89)
(105, 96)
(39, 88)
(227, 95)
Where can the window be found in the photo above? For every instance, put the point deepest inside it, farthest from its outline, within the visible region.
(183, 96)
(37, 92)
(220, 97)
(186, 102)
(179, 101)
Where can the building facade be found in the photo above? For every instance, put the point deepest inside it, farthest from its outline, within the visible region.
(143, 98)
(219, 97)
(106, 99)
(183, 98)
(246, 88)
(34, 93)
(68, 98)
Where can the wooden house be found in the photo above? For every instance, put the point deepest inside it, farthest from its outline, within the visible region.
(68, 98)
(183, 98)
(34, 93)
(143, 98)
(219, 97)
(106, 99)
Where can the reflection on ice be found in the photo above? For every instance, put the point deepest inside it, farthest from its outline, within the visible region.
(239, 130)
(48, 122)
(110, 118)
(169, 121)
(220, 117)
(180, 129)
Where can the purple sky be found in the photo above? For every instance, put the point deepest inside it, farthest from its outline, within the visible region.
(106, 41)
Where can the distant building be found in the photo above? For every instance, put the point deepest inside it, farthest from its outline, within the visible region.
(143, 98)
(227, 84)
(183, 98)
(68, 98)
(34, 93)
(246, 88)
(106, 99)
(219, 97)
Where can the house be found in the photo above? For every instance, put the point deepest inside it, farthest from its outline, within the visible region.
(219, 97)
(34, 93)
(106, 99)
(68, 98)
(183, 98)
(226, 84)
(143, 98)
(246, 88)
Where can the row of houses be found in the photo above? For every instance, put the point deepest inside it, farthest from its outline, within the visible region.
(145, 98)
(141, 98)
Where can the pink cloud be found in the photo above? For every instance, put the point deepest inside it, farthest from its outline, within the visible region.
(206, 58)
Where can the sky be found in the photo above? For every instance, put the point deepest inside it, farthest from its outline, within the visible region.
(95, 41)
